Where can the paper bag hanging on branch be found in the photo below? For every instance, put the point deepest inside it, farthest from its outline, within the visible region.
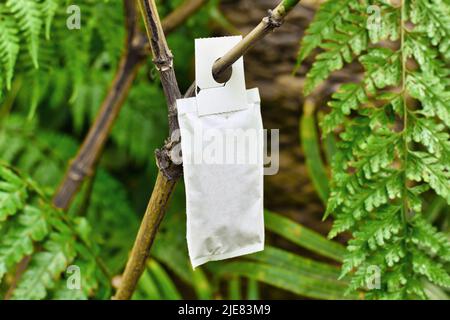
(222, 151)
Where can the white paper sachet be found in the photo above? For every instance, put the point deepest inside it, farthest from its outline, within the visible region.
(222, 150)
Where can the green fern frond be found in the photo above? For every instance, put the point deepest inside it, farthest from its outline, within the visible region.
(45, 159)
(432, 93)
(49, 7)
(30, 24)
(342, 37)
(18, 239)
(382, 70)
(12, 193)
(45, 267)
(432, 17)
(323, 26)
(392, 150)
(29, 20)
(21, 24)
(38, 230)
(9, 45)
(40, 153)
(350, 42)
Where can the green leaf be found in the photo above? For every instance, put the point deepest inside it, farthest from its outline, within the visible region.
(303, 237)
(433, 271)
(28, 15)
(308, 267)
(234, 288)
(323, 26)
(285, 279)
(391, 148)
(18, 241)
(45, 268)
(253, 290)
(166, 286)
(351, 41)
(147, 288)
(9, 45)
(311, 148)
(431, 92)
(425, 167)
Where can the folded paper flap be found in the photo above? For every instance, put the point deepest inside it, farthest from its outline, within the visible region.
(214, 97)
(189, 105)
(207, 51)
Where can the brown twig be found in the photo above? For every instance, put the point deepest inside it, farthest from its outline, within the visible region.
(165, 183)
(170, 172)
(150, 223)
(178, 16)
(136, 44)
(89, 152)
(21, 267)
(267, 25)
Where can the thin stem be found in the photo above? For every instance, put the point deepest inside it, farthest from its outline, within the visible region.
(87, 196)
(20, 269)
(165, 183)
(406, 213)
(152, 218)
(405, 113)
(162, 58)
(267, 25)
(169, 172)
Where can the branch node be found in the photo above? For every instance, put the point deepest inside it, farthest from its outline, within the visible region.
(78, 171)
(168, 160)
(164, 64)
(273, 20)
(166, 164)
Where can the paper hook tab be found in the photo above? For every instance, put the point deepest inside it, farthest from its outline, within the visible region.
(214, 97)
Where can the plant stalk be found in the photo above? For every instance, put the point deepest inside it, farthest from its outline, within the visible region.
(153, 216)
(267, 25)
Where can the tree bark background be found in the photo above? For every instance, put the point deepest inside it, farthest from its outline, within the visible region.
(269, 66)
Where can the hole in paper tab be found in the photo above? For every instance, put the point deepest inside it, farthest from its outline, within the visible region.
(224, 76)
